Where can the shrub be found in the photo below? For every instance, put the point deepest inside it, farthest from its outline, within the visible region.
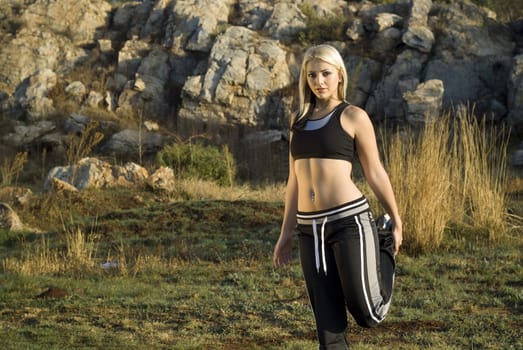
(453, 172)
(320, 29)
(194, 160)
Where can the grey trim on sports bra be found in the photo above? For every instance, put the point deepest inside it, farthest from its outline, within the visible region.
(316, 124)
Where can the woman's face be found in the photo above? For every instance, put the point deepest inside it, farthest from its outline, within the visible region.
(323, 79)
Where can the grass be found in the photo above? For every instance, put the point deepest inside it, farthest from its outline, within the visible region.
(197, 274)
(192, 269)
(453, 172)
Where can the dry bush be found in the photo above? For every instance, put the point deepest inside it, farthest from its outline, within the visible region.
(80, 147)
(452, 172)
(420, 176)
(480, 173)
(77, 257)
(11, 168)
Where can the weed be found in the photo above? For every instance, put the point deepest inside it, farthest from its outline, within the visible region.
(11, 168)
(194, 160)
(79, 147)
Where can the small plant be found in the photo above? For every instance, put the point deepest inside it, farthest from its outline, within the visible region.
(321, 28)
(80, 147)
(80, 248)
(11, 168)
(200, 161)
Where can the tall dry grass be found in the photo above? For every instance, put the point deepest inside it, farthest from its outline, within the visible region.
(480, 164)
(451, 172)
(78, 255)
(10, 169)
(419, 170)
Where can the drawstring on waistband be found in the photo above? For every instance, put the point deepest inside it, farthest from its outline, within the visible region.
(351, 208)
(316, 246)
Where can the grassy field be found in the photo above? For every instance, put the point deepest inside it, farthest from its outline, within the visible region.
(197, 274)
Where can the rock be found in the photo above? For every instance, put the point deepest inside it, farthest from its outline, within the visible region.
(419, 37)
(15, 195)
(192, 25)
(285, 22)
(129, 142)
(95, 173)
(27, 134)
(9, 219)
(131, 174)
(386, 20)
(94, 99)
(76, 91)
(243, 69)
(425, 103)
(355, 30)
(162, 180)
(34, 96)
(81, 20)
(517, 157)
(59, 186)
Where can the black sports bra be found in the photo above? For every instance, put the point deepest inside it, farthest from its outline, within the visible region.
(329, 141)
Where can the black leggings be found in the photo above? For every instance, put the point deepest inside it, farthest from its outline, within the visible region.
(345, 263)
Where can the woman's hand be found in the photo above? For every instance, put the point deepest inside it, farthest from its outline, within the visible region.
(397, 233)
(282, 251)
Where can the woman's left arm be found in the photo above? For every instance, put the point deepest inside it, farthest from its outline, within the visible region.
(364, 135)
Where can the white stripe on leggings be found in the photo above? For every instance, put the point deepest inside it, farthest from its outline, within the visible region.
(362, 264)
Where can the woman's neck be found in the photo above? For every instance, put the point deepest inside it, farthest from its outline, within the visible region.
(323, 107)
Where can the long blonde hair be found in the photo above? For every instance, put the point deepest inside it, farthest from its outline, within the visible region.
(326, 53)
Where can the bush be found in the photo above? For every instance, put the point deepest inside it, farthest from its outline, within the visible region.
(453, 172)
(320, 29)
(190, 160)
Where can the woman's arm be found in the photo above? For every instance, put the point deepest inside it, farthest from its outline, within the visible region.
(283, 249)
(377, 177)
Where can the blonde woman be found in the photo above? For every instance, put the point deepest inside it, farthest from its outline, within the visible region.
(345, 263)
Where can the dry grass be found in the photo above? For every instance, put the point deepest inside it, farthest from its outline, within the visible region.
(482, 177)
(203, 189)
(11, 168)
(78, 255)
(41, 260)
(420, 175)
(452, 172)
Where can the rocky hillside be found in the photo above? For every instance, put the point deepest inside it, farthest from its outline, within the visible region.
(158, 71)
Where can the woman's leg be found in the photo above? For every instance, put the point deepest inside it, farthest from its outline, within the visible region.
(366, 270)
(326, 297)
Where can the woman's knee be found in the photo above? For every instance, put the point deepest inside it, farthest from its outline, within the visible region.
(367, 322)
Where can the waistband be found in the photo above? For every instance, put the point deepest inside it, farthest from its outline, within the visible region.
(351, 208)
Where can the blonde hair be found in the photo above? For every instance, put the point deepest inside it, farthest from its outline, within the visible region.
(328, 54)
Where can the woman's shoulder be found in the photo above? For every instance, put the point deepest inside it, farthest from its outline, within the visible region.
(354, 113)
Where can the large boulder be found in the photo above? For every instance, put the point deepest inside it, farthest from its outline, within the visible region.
(243, 70)
(51, 38)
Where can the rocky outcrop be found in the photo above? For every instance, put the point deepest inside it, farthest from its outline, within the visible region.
(96, 173)
(230, 68)
(244, 69)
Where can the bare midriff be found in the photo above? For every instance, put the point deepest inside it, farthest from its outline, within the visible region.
(324, 183)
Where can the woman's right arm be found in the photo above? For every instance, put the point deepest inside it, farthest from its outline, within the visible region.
(283, 249)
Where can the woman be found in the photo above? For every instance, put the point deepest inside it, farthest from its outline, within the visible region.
(344, 261)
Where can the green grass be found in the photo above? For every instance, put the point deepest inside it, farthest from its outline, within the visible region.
(197, 274)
